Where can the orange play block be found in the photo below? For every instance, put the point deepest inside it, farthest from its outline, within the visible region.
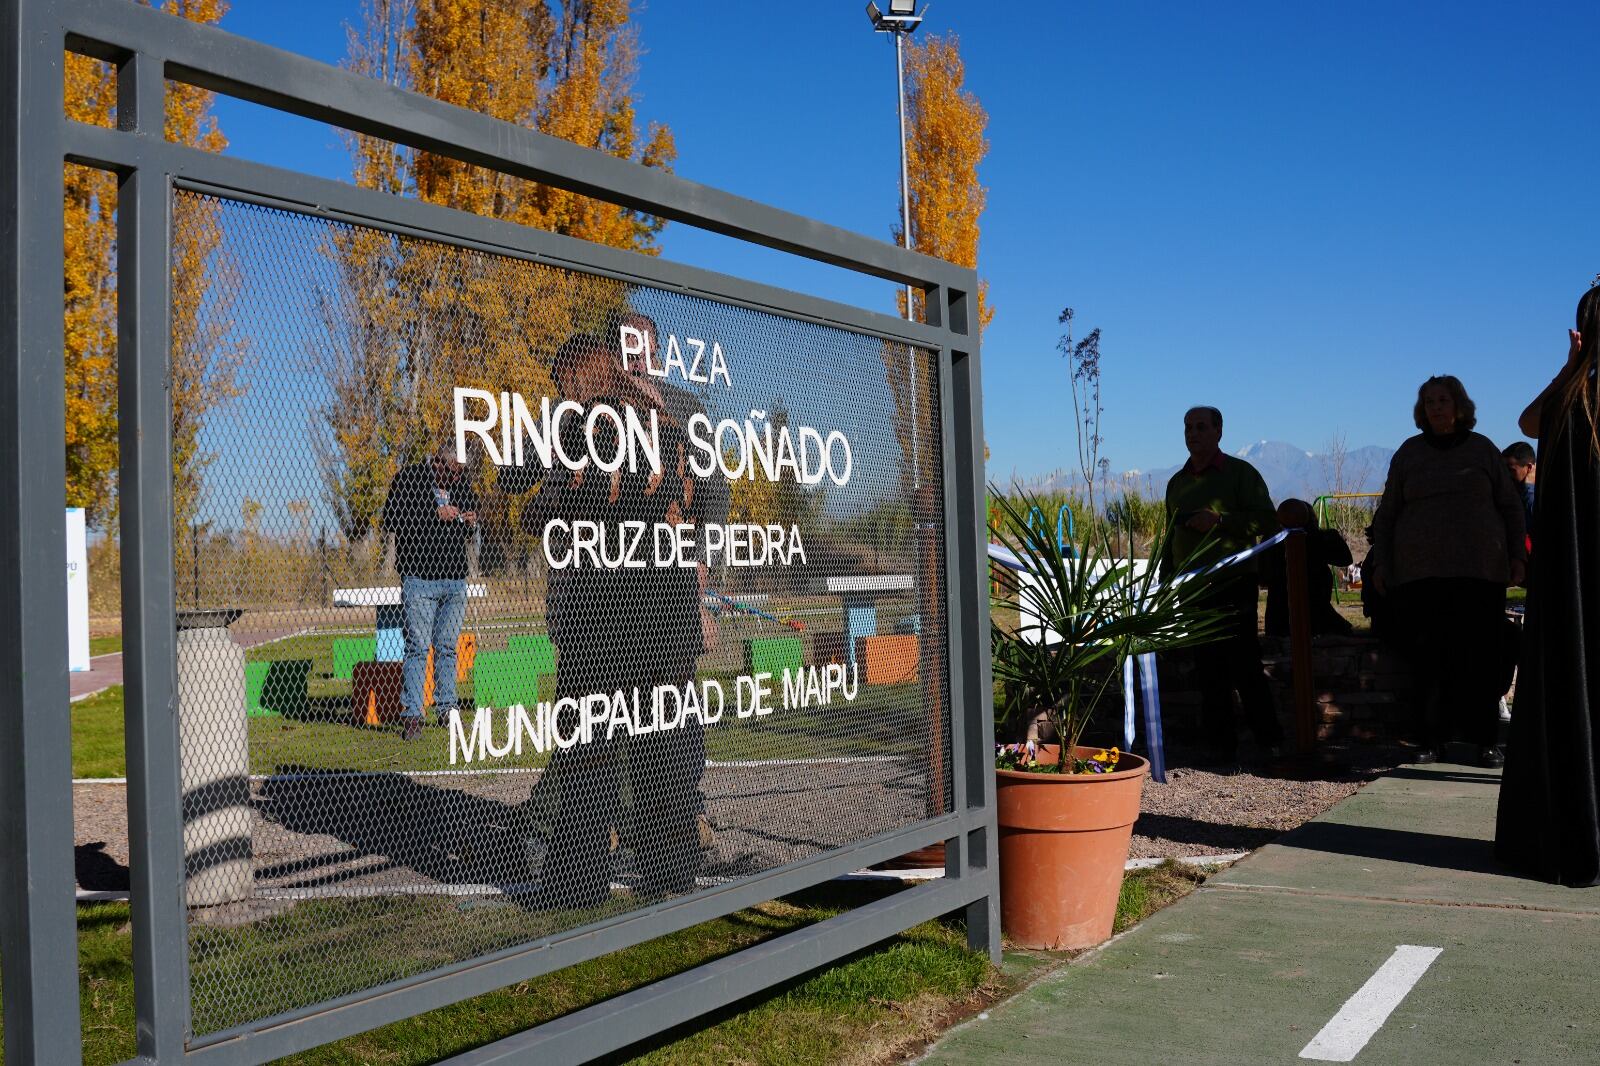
(466, 653)
(888, 660)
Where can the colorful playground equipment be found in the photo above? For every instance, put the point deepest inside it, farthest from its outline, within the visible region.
(728, 603)
(1065, 531)
(523, 670)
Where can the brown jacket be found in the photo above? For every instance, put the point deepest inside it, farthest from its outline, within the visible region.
(1448, 512)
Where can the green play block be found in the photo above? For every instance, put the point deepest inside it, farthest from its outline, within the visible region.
(276, 688)
(775, 655)
(347, 651)
(505, 678)
(255, 678)
(536, 647)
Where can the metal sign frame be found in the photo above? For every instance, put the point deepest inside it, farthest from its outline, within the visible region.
(38, 936)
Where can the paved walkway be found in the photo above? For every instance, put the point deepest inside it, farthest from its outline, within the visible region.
(104, 671)
(1383, 932)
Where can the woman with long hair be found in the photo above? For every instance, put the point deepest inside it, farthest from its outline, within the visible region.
(1549, 822)
(1447, 540)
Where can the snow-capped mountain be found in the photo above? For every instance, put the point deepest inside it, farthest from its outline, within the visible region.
(1288, 470)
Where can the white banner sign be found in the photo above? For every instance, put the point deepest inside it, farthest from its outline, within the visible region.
(77, 589)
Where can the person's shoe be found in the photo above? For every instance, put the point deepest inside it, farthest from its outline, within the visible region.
(412, 730)
(1424, 756)
(1491, 759)
(1505, 710)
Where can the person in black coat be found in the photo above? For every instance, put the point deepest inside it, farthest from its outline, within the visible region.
(617, 629)
(1325, 549)
(1549, 817)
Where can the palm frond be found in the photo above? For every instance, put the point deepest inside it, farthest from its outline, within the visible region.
(1089, 611)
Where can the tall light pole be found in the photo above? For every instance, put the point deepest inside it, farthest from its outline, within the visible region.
(901, 20)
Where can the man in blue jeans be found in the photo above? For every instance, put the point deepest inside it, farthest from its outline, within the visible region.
(433, 514)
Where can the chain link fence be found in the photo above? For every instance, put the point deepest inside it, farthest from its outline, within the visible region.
(514, 598)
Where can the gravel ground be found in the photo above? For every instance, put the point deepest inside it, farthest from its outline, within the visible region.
(100, 816)
(341, 833)
(1202, 812)
(1196, 812)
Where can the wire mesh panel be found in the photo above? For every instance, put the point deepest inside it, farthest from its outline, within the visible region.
(514, 598)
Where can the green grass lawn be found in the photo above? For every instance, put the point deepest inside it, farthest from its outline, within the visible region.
(105, 645)
(876, 1007)
(1146, 891)
(877, 999)
(97, 737)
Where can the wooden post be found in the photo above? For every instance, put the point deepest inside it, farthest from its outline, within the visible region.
(1305, 724)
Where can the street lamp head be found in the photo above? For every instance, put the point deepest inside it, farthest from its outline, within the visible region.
(900, 19)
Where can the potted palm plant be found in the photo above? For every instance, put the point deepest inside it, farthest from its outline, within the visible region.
(1066, 811)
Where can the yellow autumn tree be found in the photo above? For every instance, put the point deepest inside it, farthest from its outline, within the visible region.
(362, 433)
(944, 146)
(441, 313)
(89, 202)
(566, 70)
(205, 357)
(204, 360)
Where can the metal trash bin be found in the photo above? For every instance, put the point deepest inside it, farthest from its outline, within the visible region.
(214, 742)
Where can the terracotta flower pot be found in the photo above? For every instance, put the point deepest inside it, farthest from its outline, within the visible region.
(1063, 844)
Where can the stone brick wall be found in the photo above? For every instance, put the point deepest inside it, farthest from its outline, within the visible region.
(1362, 690)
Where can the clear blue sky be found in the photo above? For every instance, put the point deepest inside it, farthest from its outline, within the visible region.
(1293, 213)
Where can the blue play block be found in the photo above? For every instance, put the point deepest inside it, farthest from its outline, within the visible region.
(860, 620)
(391, 634)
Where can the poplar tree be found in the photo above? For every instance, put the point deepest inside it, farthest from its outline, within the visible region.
(204, 362)
(944, 145)
(206, 358)
(412, 313)
(89, 202)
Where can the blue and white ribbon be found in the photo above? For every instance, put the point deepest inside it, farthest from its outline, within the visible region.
(1149, 685)
(1151, 688)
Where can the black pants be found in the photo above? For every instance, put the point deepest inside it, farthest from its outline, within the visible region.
(579, 797)
(1453, 631)
(664, 771)
(1234, 664)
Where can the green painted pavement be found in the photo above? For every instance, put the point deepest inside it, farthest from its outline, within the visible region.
(1250, 967)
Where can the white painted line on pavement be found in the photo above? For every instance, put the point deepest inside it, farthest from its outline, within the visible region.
(1364, 1013)
(1227, 859)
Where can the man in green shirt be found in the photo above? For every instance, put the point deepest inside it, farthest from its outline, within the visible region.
(1219, 505)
